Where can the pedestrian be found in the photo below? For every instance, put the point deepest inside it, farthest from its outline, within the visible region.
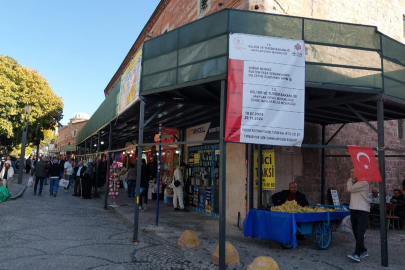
(40, 171)
(145, 177)
(12, 164)
(78, 173)
(54, 176)
(178, 184)
(359, 213)
(68, 172)
(28, 163)
(87, 180)
(6, 175)
(130, 178)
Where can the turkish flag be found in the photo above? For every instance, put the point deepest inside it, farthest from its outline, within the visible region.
(365, 164)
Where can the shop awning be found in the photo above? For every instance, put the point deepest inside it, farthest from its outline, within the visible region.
(182, 69)
(70, 148)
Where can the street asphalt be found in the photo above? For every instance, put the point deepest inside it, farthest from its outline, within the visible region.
(72, 233)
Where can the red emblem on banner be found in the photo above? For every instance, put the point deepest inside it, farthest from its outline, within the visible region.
(297, 47)
(365, 164)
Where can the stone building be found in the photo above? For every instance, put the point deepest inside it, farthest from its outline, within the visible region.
(300, 165)
(67, 134)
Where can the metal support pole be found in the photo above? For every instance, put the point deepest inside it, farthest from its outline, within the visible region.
(23, 143)
(139, 168)
(98, 163)
(37, 153)
(222, 179)
(85, 148)
(109, 161)
(381, 165)
(251, 174)
(323, 165)
(158, 175)
(91, 145)
(259, 175)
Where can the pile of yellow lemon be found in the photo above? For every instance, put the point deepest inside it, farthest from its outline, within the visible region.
(293, 207)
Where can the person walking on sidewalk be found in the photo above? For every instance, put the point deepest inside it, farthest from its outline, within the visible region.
(6, 175)
(145, 177)
(78, 173)
(87, 180)
(68, 172)
(178, 182)
(12, 164)
(359, 213)
(40, 171)
(130, 178)
(54, 176)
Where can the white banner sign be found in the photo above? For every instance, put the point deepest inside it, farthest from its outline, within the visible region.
(266, 90)
(130, 82)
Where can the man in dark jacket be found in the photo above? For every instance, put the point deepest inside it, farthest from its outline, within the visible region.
(145, 177)
(40, 175)
(79, 174)
(290, 195)
(399, 200)
(54, 176)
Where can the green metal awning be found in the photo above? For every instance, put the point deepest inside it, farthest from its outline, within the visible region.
(184, 66)
(70, 148)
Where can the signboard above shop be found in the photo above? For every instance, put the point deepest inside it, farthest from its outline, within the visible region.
(266, 90)
(203, 132)
(130, 82)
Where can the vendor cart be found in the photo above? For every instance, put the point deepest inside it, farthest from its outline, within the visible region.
(284, 227)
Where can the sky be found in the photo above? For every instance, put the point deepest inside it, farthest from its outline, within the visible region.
(77, 45)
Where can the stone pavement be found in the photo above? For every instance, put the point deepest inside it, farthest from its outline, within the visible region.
(16, 189)
(305, 256)
(71, 233)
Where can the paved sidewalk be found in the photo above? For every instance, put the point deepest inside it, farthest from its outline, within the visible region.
(305, 256)
(16, 189)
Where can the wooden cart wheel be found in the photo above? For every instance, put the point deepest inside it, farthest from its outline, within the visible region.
(286, 246)
(322, 235)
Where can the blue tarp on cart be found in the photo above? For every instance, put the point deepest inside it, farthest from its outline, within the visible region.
(282, 227)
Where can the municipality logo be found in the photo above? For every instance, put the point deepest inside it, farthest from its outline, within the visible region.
(298, 50)
(238, 43)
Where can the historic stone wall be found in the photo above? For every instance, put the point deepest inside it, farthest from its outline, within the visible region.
(66, 134)
(337, 168)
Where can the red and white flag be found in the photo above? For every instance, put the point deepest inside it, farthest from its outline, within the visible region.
(365, 164)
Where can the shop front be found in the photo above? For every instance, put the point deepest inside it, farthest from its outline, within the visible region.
(203, 179)
(189, 78)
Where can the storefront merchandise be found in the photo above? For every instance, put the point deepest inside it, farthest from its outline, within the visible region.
(203, 179)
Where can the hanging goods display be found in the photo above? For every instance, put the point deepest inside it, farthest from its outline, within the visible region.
(113, 183)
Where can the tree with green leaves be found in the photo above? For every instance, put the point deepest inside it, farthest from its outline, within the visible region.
(21, 86)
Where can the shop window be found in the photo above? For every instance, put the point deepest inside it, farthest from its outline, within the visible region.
(401, 130)
(74, 132)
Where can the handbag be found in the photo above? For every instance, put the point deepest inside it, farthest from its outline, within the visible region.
(177, 183)
(126, 185)
(30, 182)
(63, 183)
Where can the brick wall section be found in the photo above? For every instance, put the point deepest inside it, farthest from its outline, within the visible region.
(171, 14)
(337, 169)
(65, 134)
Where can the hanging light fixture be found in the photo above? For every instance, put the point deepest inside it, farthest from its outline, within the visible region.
(177, 151)
(102, 142)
